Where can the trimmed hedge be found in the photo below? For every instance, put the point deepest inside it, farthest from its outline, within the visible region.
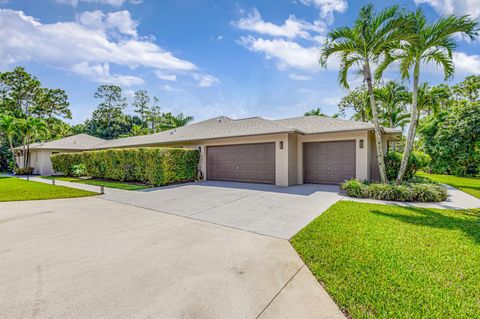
(154, 166)
(407, 192)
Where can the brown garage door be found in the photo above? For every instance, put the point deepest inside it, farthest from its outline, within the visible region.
(328, 162)
(242, 163)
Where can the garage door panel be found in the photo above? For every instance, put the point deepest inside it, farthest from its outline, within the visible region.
(329, 162)
(243, 162)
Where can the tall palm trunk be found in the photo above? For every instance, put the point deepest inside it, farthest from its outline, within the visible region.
(376, 124)
(413, 124)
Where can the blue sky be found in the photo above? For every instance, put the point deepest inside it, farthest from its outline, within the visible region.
(201, 57)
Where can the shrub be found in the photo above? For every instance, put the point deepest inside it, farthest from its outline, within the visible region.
(64, 162)
(416, 161)
(407, 192)
(155, 166)
(79, 170)
(354, 188)
(24, 170)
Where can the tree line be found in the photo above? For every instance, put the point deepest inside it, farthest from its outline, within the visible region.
(31, 113)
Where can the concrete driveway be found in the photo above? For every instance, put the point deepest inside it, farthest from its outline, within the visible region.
(265, 209)
(93, 258)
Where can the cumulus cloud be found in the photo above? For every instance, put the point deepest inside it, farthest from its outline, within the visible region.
(113, 3)
(100, 72)
(166, 77)
(119, 21)
(85, 46)
(291, 28)
(461, 7)
(466, 64)
(205, 80)
(286, 52)
(327, 7)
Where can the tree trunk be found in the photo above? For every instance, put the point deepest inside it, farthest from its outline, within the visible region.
(413, 125)
(376, 124)
(10, 142)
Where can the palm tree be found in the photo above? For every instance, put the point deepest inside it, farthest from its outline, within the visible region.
(363, 45)
(392, 98)
(430, 99)
(9, 128)
(31, 128)
(433, 42)
(171, 121)
(317, 112)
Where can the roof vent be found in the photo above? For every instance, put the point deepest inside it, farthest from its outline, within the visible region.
(174, 131)
(219, 120)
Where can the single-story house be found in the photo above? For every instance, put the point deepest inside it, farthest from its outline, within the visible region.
(309, 149)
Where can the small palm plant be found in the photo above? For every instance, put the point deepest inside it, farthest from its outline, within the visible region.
(361, 46)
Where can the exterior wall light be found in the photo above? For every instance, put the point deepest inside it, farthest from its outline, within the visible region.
(360, 143)
(281, 145)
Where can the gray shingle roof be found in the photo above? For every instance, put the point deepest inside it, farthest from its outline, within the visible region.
(219, 127)
(75, 142)
(323, 124)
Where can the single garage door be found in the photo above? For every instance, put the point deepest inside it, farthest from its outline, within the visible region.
(242, 163)
(328, 162)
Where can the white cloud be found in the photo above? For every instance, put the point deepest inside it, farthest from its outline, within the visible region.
(327, 7)
(466, 64)
(119, 21)
(113, 3)
(299, 77)
(166, 77)
(291, 28)
(82, 45)
(461, 7)
(205, 80)
(286, 52)
(101, 73)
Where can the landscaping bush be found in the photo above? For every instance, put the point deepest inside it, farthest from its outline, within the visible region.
(407, 192)
(155, 166)
(24, 170)
(79, 170)
(416, 161)
(64, 162)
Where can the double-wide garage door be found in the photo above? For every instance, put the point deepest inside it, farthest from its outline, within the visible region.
(242, 163)
(328, 162)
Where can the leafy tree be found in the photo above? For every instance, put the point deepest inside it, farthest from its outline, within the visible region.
(108, 119)
(141, 102)
(363, 45)
(317, 112)
(428, 42)
(359, 101)
(19, 91)
(51, 103)
(392, 99)
(137, 130)
(469, 89)
(9, 130)
(452, 139)
(155, 116)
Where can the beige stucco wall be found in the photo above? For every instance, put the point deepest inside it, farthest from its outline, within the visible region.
(288, 160)
(40, 160)
(361, 154)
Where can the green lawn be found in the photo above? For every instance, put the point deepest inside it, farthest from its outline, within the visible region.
(379, 261)
(98, 182)
(14, 189)
(466, 184)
